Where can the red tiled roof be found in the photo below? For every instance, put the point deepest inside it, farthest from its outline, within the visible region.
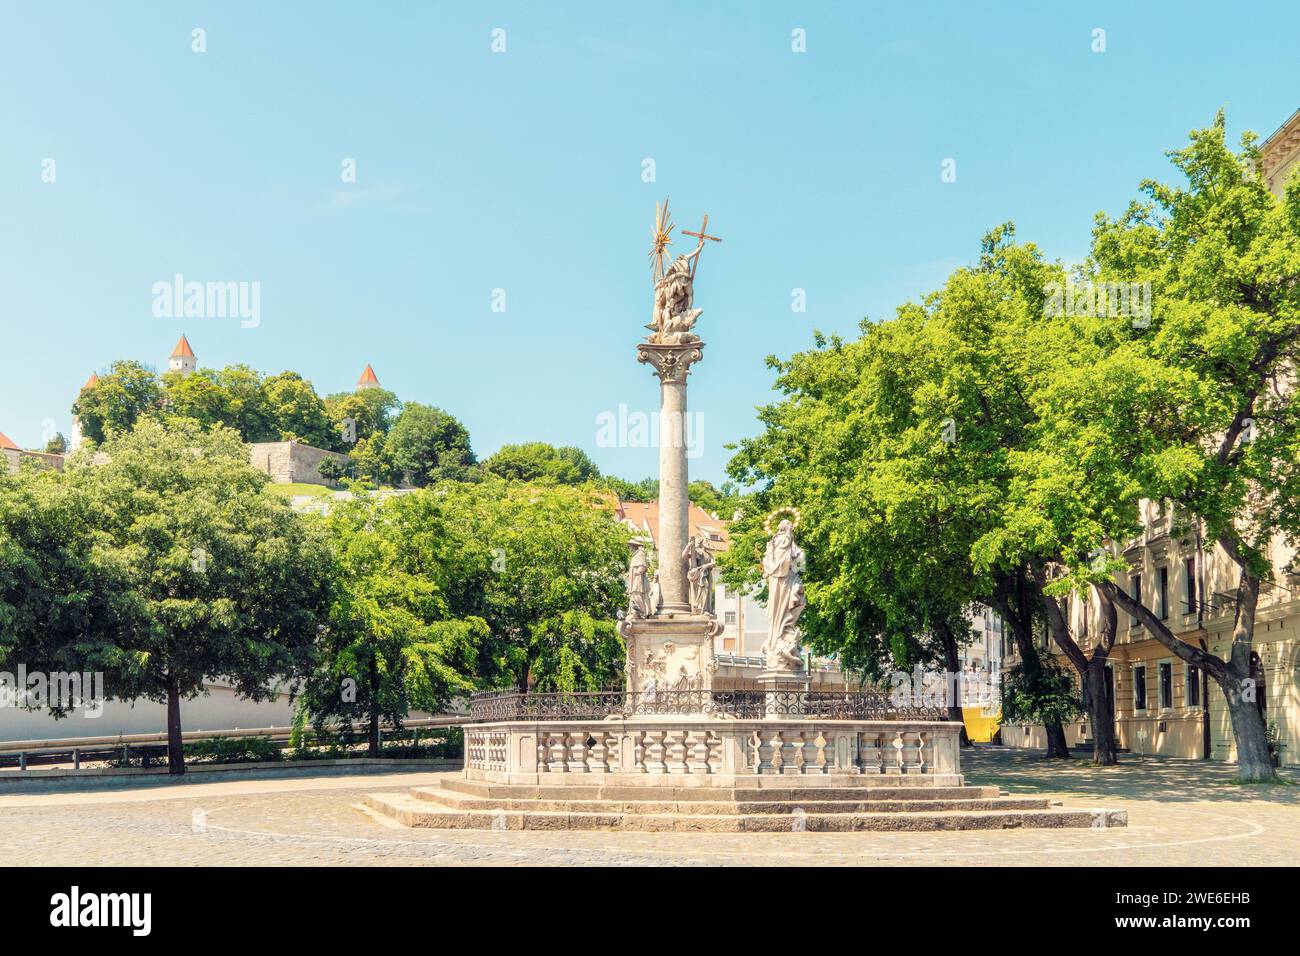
(90, 382)
(644, 515)
(182, 349)
(368, 377)
(8, 444)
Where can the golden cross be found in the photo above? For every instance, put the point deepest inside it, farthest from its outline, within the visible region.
(701, 235)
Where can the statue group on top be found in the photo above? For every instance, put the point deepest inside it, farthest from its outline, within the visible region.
(674, 314)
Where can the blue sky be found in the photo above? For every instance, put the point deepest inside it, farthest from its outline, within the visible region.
(522, 171)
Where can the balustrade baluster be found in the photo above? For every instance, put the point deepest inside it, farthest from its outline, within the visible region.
(809, 762)
(676, 751)
(896, 765)
(654, 752)
(697, 750)
(599, 752)
(557, 761)
(790, 747)
(758, 759)
(714, 752)
(576, 759)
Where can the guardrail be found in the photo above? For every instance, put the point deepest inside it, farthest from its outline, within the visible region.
(149, 747)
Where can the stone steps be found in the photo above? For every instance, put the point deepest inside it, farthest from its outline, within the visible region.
(809, 802)
(412, 811)
(667, 793)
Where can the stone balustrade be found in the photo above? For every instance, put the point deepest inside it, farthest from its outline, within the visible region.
(705, 750)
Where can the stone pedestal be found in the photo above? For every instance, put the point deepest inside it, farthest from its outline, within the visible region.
(672, 651)
(785, 692)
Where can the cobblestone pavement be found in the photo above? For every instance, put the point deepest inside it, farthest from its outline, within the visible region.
(1180, 813)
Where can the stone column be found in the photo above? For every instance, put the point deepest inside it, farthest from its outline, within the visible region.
(672, 364)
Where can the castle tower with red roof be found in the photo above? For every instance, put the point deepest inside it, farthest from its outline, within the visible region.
(368, 379)
(75, 438)
(182, 358)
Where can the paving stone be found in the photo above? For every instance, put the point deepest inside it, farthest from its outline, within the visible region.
(1180, 813)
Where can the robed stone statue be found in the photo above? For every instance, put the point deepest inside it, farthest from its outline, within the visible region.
(782, 562)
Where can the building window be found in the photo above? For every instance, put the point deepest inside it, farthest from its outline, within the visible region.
(1140, 688)
(729, 618)
(1166, 685)
(1193, 686)
(1135, 592)
(1191, 585)
(1162, 594)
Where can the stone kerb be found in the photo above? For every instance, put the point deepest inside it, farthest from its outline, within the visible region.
(711, 752)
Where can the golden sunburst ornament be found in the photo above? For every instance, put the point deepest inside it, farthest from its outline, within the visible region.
(660, 239)
(791, 510)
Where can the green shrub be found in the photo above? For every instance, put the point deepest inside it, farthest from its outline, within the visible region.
(232, 750)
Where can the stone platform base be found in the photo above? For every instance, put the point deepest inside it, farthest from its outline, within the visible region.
(853, 803)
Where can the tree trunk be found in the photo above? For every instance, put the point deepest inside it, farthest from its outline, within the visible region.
(372, 735)
(952, 661)
(1057, 747)
(1253, 760)
(1233, 677)
(175, 745)
(1101, 712)
(1240, 689)
(1020, 618)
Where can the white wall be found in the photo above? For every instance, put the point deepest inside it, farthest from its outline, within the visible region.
(219, 710)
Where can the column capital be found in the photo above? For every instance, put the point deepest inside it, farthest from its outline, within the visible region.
(672, 363)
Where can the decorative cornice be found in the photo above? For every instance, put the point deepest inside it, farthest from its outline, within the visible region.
(672, 363)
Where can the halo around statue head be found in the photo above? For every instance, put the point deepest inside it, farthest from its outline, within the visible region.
(791, 510)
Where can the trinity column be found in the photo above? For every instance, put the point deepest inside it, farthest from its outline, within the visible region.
(670, 635)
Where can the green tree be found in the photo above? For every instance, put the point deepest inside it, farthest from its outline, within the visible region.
(723, 502)
(117, 401)
(297, 412)
(392, 645)
(1044, 694)
(58, 445)
(543, 566)
(203, 574)
(428, 445)
(198, 397)
(1195, 405)
(911, 453)
(538, 461)
(251, 413)
(51, 593)
(885, 511)
(647, 489)
(370, 411)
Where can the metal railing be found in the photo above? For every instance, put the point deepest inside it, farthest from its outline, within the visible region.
(488, 706)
